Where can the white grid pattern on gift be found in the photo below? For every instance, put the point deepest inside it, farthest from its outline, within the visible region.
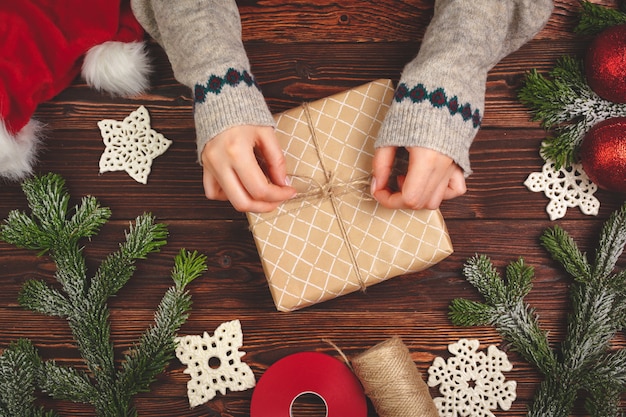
(325, 269)
(410, 249)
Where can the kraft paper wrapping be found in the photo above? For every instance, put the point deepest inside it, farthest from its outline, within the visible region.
(333, 238)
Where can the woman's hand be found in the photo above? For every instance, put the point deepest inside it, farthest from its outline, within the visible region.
(231, 170)
(431, 178)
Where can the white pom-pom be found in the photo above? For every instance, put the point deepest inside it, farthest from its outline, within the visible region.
(18, 152)
(120, 68)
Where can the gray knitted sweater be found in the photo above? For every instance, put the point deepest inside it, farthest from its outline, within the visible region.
(439, 100)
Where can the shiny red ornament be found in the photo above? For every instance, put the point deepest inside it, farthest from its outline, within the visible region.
(603, 154)
(605, 64)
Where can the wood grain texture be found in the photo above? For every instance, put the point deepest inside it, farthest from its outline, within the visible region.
(303, 50)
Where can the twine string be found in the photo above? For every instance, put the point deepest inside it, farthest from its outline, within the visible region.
(332, 189)
(333, 201)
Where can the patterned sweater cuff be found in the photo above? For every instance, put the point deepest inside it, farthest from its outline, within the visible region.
(222, 103)
(449, 128)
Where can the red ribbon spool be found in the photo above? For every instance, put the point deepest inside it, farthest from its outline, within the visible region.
(308, 373)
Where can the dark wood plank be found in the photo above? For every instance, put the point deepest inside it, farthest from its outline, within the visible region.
(301, 51)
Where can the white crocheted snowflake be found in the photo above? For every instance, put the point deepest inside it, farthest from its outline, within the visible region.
(566, 187)
(131, 145)
(214, 363)
(472, 382)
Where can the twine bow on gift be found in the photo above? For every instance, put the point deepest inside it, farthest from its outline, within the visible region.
(333, 188)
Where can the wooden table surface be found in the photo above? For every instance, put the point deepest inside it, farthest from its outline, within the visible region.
(303, 50)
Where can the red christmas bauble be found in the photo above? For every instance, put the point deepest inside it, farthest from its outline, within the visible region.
(605, 64)
(603, 154)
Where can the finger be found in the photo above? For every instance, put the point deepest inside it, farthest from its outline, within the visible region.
(456, 185)
(212, 189)
(382, 165)
(272, 154)
(420, 186)
(221, 182)
(240, 198)
(256, 184)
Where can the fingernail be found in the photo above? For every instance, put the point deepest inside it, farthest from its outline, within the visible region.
(288, 181)
(373, 186)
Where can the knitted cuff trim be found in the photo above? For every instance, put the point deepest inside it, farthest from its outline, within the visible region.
(236, 106)
(216, 83)
(408, 124)
(438, 99)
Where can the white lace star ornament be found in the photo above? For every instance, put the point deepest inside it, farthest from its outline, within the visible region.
(131, 145)
(214, 363)
(567, 187)
(471, 381)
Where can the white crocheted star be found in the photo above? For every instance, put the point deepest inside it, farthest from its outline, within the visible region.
(567, 187)
(472, 382)
(131, 145)
(214, 363)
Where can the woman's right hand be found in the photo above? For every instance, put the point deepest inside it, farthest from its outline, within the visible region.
(231, 169)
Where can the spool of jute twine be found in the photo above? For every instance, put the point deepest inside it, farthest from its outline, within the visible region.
(392, 381)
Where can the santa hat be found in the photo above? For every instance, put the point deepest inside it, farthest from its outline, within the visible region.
(44, 45)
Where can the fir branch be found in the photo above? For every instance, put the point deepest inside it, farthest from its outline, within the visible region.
(586, 363)
(65, 383)
(480, 272)
(41, 298)
(22, 231)
(611, 245)
(157, 344)
(564, 250)
(87, 220)
(505, 309)
(556, 395)
(594, 18)
(590, 326)
(48, 200)
(187, 267)
(82, 300)
(19, 370)
(519, 277)
(144, 237)
(609, 372)
(604, 403)
(471, 313)
(565, 103)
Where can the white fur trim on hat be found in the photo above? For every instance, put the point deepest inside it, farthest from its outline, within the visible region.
(18, 152)
(120, 68)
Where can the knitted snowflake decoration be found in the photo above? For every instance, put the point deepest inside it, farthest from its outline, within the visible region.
(131, 145)
(214, 363)
(472, 382)
(566, 187)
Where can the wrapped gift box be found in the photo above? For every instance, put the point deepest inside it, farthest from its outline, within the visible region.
(333, 238)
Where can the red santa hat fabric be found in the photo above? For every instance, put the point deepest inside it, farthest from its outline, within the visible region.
(44, 44)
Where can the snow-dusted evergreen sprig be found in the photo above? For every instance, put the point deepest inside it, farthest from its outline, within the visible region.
(54, 229)
(594, 18)
(564, 103)
(585, 362)
(19, 373)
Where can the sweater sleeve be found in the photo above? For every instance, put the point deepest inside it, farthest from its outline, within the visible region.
(202, 39)
(439, 101)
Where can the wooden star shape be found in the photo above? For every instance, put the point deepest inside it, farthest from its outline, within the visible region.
(131, 145)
